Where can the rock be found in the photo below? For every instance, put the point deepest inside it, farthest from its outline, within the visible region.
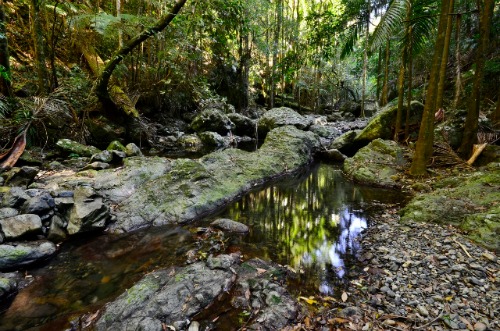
(214, 120)
(72, 147)
(168, 296)
(115, 145)
(333, 155)
(243, 126)
(194, 187)
(480, 326)
(55, 165)
(382, 124)
(8, 284)
(104, 156)
(21, 226)
(213, 139)
(132, 150)
(283, 116)
(88, 213)
(17, 255)
(376, 164)
(102, 131)
(258, 288)
(191, 141)
(229, 225)
(20, 176)
(325, 131)
(96, 166)
(15, 197)
(345, 143)
(350, 107)
(57, 228)
(490, 154)
(8, 212)
(194, 326)
(468, 203)
(40, 203)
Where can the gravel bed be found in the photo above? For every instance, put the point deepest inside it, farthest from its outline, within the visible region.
(420, 276)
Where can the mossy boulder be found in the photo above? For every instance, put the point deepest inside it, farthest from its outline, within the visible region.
(470, 202)
(345, 143)
(192, 188)
(213, 139)
(283, 116)
(244, 126)
(21, 254)
(376, 164)
(383, 124)
(69, 146)
(212, 119)
(115, 145)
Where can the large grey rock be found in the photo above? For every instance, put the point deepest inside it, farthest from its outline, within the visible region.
(170, 296)
(57, 228)
(8, 284)
(229, 225)
(40, 203)
(15, 197)
(382, 125)
(21, 254)
(8, 212)
(72, 147)
(345, 143)
(283, 116)
(214, 120)
(104, 156)
(244, 126)
(213, 139)
(376, 164)
(132, 150)
(20, 226)
(89, 212)
(193, 188)
(20, 176)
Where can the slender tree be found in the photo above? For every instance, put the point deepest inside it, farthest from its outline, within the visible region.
(5, 74)
(39, 46)
(471, 121)
(425, 140)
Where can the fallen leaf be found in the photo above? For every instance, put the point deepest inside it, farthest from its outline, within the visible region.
(310, 300)
(344, 297)
(260, 271)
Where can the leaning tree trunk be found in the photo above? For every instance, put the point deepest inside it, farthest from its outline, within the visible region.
(471, 121)
(5, 76)
(103, 81)
(425, 140)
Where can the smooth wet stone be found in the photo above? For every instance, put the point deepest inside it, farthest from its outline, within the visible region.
(21, 254)
(230, 225)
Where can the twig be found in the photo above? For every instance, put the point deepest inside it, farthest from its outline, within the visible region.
(431, 322)
(462, 246)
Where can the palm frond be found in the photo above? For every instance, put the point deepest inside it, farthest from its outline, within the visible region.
(352, 36)
(390, 23)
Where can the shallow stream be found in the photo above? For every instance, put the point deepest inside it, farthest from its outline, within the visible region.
(310, 222)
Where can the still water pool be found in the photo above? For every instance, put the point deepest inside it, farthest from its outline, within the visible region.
(310, 222)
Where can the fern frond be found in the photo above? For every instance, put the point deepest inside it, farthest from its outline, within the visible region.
(350, 40)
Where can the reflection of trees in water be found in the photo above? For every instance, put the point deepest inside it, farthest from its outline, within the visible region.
(306, 223)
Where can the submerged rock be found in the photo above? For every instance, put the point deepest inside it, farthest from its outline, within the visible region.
(376, 164)
(170, 296)
(229, 225)
(22, 254)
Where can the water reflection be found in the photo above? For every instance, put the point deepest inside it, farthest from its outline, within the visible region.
(311, 223)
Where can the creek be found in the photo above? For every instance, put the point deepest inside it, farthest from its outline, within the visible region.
(310, 222)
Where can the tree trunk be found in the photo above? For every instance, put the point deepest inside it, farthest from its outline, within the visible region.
(385, 85)
(103, 80)
(471, 121)
(365, 59)
(444, 58)
(425, 140)
(458, 74)
(410, 82)
(379, 68)
(5, 75)
(496, 113)
(401, 94)
(38, 42)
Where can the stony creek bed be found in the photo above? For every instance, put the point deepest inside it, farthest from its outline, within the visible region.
(311, 223)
